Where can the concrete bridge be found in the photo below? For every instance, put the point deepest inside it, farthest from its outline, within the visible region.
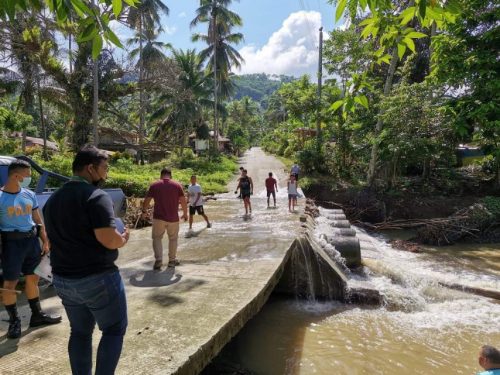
(180, 318)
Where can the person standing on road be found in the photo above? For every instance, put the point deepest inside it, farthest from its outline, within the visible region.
(167, 194)
(272, 188)
(196, 202)
(82, 228)
(245, 184)
(292, 193)
(295, 170)
(20, 226)
(238, 181)
(489, 360)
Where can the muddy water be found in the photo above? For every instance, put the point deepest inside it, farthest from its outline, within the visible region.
(422, 329)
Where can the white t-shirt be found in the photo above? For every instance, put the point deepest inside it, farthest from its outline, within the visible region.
(193, 191)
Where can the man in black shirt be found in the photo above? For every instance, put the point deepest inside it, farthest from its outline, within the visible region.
(81, 227)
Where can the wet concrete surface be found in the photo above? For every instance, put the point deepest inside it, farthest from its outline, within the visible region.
(180, 318)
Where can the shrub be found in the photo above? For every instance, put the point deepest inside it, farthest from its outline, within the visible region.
(493, 205)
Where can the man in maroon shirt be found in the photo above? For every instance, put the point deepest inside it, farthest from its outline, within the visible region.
(271, 184)
(167, 195)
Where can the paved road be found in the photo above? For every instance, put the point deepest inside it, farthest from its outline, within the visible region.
(179, 319)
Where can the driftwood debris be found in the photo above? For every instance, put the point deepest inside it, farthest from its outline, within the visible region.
(133, 217)
(469, 222)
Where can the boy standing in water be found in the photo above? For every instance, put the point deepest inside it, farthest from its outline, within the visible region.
(292, 193)
(271, 184)
(196, 202)
(245, 184)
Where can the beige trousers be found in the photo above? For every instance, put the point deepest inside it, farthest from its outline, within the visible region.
(159, 228)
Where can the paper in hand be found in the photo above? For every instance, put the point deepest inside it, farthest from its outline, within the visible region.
(44, 269)
(120, 226)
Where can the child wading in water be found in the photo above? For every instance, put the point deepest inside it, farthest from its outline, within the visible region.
(292, 193)
(245, 185)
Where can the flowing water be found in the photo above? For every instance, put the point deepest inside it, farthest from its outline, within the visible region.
(423, 327)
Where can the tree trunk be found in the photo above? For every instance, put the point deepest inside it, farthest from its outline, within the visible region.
(372, 170)
(95, 102)
(70, 52)
(29, 97)
(141, 97)
(42, 121)
(83, 114)
(95, 98)
(216, 120)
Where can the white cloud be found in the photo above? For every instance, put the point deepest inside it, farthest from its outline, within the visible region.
(169, 30)
(292, 50)
(182, 15)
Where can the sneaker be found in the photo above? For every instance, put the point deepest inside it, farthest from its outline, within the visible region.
(173, 263)
(209, 225)
(157, 265)
(14, 331)
(43, 319)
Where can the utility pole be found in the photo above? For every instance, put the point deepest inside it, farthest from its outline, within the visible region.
(320, 79)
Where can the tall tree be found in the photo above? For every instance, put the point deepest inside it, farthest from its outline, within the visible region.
(219, 38)
(466, 62)
(145, 18)
(181, 111)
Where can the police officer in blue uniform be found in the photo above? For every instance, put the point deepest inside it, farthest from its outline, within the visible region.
(20, 227)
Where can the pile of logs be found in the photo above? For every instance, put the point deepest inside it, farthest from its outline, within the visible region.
(469, 222)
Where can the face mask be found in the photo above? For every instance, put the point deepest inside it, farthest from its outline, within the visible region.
(98, 183)
(25, 182)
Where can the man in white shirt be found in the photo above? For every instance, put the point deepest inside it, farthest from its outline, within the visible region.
(196, 202)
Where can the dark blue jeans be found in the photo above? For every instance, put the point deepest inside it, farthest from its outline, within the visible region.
(97, 298)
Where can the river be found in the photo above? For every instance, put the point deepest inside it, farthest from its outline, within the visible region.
(423, 328)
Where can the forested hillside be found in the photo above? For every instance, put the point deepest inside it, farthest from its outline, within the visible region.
(258, 86)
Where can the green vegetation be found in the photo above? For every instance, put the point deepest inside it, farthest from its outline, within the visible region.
(408, 82)
(135, 179)
(258, 87)
(400, 112)
(492, 204)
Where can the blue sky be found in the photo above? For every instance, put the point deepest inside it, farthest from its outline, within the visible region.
(281, 36)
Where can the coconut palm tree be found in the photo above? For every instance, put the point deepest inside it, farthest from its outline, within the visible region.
(179, 113)
(151, 54)
(218, 37)
(145, 16)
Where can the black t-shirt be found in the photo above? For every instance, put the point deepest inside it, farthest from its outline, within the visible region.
(245, 184)
(71, 214)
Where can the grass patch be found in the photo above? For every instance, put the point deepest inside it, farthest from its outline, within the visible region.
(134, 180)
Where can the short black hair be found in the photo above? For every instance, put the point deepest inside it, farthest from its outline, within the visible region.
(491, 353)
(244, 170)
(241, 168)
(87, 155)
(193, 176)
(17, 165)
(270, 174)
(165, 171)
